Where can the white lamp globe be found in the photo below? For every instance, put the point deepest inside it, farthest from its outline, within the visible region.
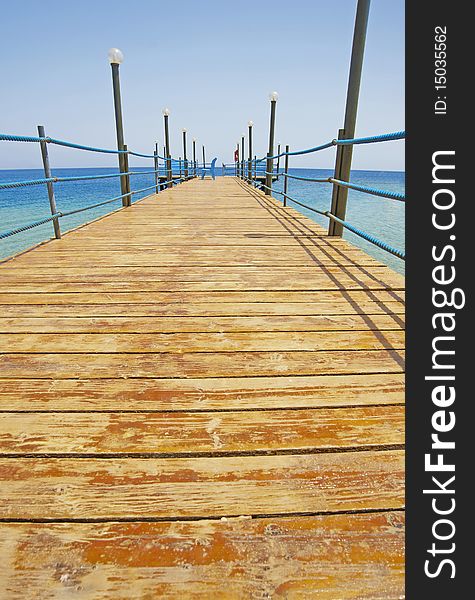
(273, 96)
(250, 124)
(166, 112)
(115, 56)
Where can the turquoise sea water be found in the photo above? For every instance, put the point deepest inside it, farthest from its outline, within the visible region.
(378, 216)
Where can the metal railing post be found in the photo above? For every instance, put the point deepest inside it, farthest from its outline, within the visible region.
(204, 157)
(185, 162)
(49, 185)
(155, 166)
(166, 114)
(243, 174)
(278, 158)
(269, 162)
(249, 163)
(194, 157)
(343, 162)
(286, 171)
(127, 176)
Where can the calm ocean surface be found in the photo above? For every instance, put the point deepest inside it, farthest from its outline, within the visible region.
(378, 216)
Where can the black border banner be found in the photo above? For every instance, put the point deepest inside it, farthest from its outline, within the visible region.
(440, 237)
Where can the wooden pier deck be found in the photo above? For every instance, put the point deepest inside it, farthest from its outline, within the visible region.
(202, 397)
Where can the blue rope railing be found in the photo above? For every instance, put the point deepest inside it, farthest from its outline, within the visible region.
(19, 184)
(242, 168)
(368, 190)
(165, 175)
(49, 140)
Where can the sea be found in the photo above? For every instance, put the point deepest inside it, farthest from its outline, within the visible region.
(378, 216)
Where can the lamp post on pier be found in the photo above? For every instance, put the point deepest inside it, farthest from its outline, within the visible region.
(166, 114)
(204, 157)
(344, 153)
(185, 162)
(269, 163)
(115, 59)
(249, 162)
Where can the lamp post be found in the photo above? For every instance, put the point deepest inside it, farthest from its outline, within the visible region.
(269, 163)
(185, 162)
(249, 162)
(243, 175)
(204, 158)
(345, 152)
(115, 59)
(237, 161)
(166, 114)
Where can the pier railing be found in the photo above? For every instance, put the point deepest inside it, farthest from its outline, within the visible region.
(262, 172)
(164, 175)
(258, 176)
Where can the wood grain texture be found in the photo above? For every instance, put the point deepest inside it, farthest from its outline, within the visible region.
(153, 324)
(201, 342)
(196, 373)
(218, 394)
(68, 488)
(200, 364)
(203, 432)
(328, 557)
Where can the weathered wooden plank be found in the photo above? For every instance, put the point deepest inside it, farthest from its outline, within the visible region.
(181, 324)
(243, 278)
(89, 242)
(200, 394)
(325, 557)
(213, 309)
(219, 364)
(64, 488)
(207, 432)
(28, 292)
(201, 342)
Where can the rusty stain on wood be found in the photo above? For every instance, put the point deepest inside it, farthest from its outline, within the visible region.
(212, 361)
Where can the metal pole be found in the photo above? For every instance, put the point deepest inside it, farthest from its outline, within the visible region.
(270, 162)
(185, 162)
(155, 166)
(204, 158)
(243, 175)
(236, 162)
(49, 185)
(194, 157)
(278, 158)
(249, 164)
(167, 151)
(127, 177)
(340, 196)
(286, 171)
(255, 169)
(119, 130)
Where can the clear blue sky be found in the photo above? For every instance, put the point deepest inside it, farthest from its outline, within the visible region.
(212, 63)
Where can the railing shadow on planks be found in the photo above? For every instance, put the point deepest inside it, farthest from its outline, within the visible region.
(261, 174)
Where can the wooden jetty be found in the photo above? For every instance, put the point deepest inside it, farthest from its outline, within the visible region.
(202, 397)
